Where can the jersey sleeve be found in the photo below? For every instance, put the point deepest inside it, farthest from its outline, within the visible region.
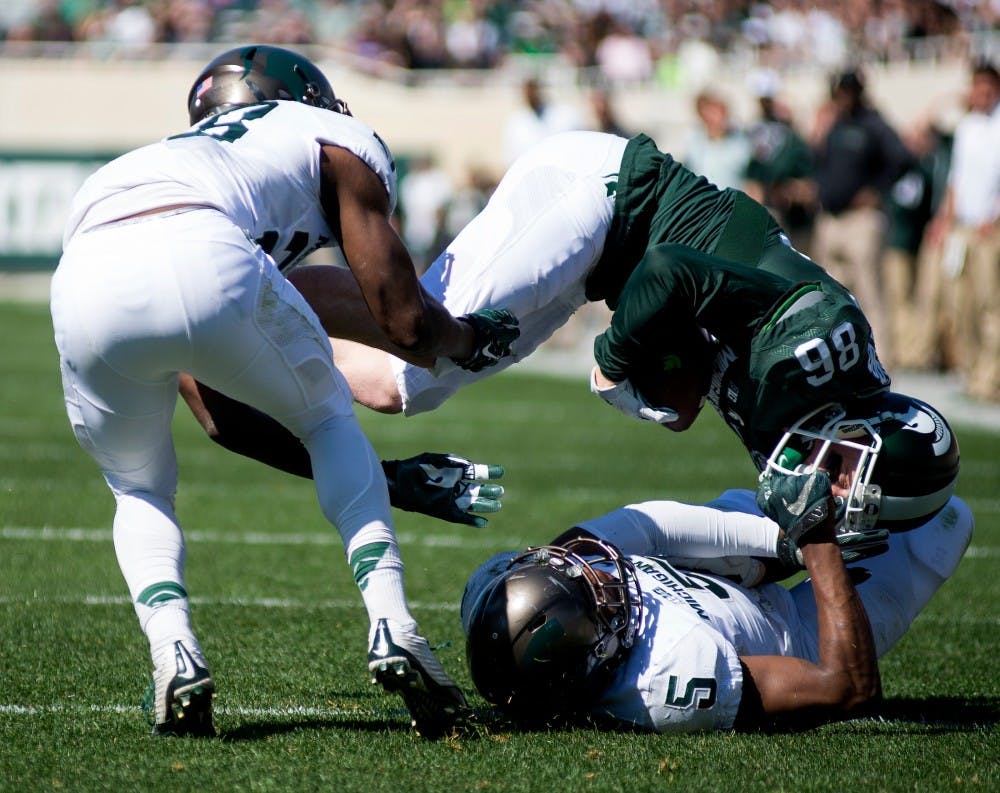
(676, 286)
(692, 684)
(363, 142)
(671, 528)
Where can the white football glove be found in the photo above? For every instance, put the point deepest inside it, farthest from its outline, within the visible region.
(624, 397)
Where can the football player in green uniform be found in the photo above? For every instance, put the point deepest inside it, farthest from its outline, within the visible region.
(710, 300)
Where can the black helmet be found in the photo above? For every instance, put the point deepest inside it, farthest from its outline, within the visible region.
(907, 457)
(258, 73)
(544, 637)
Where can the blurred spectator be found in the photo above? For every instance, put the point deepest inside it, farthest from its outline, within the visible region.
(424, 192)
(535, 119)
(621, 38)
(604, 115)
(715, 149)
(623, 56)
(47, 24)
(471, 38)
(911, 204)
(780, 173)
(859, 157)
(467, 202)
(967, 232)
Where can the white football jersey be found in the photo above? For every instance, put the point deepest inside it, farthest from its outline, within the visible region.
(258, 164)
(684, 673)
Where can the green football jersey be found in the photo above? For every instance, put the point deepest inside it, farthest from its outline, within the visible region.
(659, 201)
(786, 346)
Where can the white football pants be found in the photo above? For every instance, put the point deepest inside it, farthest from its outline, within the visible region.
(902, 581)
(136, 302)
(530, 250)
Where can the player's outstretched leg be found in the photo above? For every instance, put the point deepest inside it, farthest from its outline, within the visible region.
(401, 661)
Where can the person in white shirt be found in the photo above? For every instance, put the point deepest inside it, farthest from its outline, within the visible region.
(172, 262)
(655, 616)
(966, 231)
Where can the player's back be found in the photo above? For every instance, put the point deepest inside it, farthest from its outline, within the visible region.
(258, 164)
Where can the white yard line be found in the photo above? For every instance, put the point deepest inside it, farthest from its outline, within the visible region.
(47, 533)
(13, 709)
(264, 603)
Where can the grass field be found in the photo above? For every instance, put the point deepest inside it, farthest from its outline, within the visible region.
(282, 624)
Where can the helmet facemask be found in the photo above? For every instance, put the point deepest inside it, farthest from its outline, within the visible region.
(847, 449)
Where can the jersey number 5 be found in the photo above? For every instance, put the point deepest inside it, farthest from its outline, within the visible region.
(821, 362)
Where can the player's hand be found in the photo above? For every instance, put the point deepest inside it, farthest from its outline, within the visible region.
(624, 397)
(494, 330)
(444, 486)
(799, 503)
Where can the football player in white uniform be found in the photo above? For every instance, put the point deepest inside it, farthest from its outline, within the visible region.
(172, 262)
(618, 618)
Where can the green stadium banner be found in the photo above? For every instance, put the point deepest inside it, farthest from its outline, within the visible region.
(35, 193)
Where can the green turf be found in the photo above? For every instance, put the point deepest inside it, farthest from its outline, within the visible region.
(283, 627)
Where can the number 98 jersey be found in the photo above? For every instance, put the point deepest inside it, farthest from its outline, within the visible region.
(257, 164)
(816, 348)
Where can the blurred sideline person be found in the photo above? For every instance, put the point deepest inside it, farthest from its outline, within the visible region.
(858, 158)
(780, 171)
(621, 618)
(911, 204)
(966, 233)
(172, 263)
(536, 118)
(717, 149)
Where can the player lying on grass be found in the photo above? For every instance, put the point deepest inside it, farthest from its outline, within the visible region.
(173, 261)
(618, 619)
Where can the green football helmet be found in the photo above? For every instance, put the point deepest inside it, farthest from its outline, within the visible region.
(903, 453)
(259, 73)
(545, 636)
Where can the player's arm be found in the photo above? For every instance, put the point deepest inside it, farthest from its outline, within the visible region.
(673, 289)
(357, 207)
(672, 528)
(845, 679)
(654, 361)
(443, 486)
(336, 297)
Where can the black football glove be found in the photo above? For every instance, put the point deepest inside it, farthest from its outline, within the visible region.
(444, 486)
(495, 330)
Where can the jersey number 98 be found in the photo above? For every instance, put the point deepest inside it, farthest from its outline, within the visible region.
(823, 358)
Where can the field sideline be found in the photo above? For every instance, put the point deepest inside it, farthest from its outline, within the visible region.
(284, 628)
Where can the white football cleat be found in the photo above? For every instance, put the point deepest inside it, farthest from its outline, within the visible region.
(401, 661)
(179, 698)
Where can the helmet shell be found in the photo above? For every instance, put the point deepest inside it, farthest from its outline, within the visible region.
(544, 637)
(259, 73)
(917, 467)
